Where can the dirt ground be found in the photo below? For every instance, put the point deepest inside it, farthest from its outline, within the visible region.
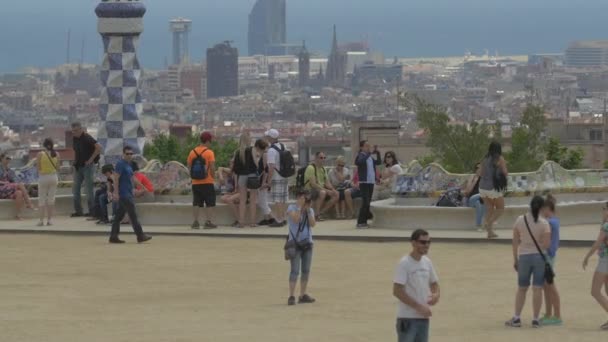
(66, 288)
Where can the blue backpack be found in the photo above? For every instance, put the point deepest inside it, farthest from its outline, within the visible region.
(198, 169)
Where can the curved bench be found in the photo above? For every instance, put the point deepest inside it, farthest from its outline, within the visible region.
(389, 215)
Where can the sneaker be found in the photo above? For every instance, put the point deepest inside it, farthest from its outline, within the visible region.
(116, 240)
(264, 222)
(362, 226)
(604, 326)
(306, 299)
(210, 225)
(514, 323)
(536, 323)
(277, 224)
(195, 225)
(551, 321)
(291, 300)
(143, 238)
(49, 223)
(76, 215)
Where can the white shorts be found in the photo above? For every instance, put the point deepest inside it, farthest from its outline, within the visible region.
(491, 194)
(47, 188)
(602, 266)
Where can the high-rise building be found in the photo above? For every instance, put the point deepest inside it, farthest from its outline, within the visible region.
(304, 66)
(181, 28)
(267, 26)
(587, 53)
(336, 64)
(222, 71)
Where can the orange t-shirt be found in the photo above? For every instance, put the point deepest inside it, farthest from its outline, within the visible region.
(209, 157)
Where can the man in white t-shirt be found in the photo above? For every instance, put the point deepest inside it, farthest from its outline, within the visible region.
(279, 187)
(417, 287)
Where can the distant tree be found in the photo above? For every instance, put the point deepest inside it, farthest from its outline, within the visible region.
(568, 158)
(456, 147)
(168, 148)
(527, 141)
(426, 160)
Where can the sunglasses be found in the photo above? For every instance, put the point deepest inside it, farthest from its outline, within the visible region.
(129, 154)
(424, 242)
(340, 165)
(322, 158)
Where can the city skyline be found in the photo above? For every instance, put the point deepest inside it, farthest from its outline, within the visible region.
(389, 26)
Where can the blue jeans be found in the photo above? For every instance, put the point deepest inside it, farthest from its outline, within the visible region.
(412, 330)
(303, 259)
(103, 206)
(83, 174)
(480, 208)
(530, 265)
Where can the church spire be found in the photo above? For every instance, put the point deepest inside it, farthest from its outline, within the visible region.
(334, 46)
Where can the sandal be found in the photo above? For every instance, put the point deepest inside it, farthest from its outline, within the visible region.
(604, 326)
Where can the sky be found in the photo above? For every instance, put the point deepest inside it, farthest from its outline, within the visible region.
(33, 33)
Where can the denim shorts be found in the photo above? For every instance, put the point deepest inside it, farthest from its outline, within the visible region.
(531, 265)
(412, 330)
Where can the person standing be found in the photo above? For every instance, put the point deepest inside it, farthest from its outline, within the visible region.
(86, 152)
(201, 163)
(366, 162)
(492, 185)
(245, 168)
(264, 192)
(301, 218)
(529, 230)
(600, 277)
(416, 286)
(278, 185)
(123, 193)
(48, 167)
(553, 312)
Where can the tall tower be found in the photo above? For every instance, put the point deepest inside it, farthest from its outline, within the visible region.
(120, 23)
(222, 71)
(267, 25)
(336, 64)
(304, 66)
(181, 28)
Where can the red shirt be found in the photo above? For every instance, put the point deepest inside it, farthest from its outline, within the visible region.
(144, 181)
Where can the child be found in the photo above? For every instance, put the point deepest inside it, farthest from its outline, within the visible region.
(553, 314)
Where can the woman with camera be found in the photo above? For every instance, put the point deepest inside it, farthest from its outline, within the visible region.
(301, 218)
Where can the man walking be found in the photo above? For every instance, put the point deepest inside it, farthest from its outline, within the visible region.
(279, 188)
(201, 163)
(86, 152)
(123, 191)
(366, 162)
(417, 288)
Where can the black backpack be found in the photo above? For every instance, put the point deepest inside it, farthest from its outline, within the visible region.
(300, 182)
(198, 169)
(288, 164)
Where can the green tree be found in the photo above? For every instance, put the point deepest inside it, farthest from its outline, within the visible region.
(568, 158)
(457, 147)
(527, 146)
(167, 148)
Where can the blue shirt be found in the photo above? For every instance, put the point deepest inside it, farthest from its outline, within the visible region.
(294, 226)
(371, 174)
(554, 223)
(125, 183)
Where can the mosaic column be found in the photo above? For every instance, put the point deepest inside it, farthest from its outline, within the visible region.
(120, 23)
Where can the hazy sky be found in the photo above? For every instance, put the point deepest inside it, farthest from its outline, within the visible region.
(34, 32)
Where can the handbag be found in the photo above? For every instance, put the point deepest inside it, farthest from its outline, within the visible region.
(254, 182)
(292, 246)
(549, 273)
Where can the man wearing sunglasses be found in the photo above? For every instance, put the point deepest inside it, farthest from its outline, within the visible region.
(323, 194)
(123, 193)
(417, 287)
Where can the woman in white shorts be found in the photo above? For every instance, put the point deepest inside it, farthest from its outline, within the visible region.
(48, 167)
(600, 278)
(492, 193)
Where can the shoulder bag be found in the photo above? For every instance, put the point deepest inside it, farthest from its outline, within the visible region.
(51, 160)
(549, 273)
(292, 246)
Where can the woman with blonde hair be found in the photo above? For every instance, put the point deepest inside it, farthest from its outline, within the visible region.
(248, 181)
(48, 167)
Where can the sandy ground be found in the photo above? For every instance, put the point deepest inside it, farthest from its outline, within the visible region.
(60, 288)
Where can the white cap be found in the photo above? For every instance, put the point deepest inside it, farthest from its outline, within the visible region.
(273, 133)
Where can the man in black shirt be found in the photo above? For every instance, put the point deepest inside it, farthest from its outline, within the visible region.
(86, 152)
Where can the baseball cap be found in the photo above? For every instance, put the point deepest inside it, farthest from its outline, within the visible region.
(273, 133)
(206, 137)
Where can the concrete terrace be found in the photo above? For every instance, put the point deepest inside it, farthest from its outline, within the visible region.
(579, 235)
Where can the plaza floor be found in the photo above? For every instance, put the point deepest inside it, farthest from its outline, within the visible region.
(181, 288)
